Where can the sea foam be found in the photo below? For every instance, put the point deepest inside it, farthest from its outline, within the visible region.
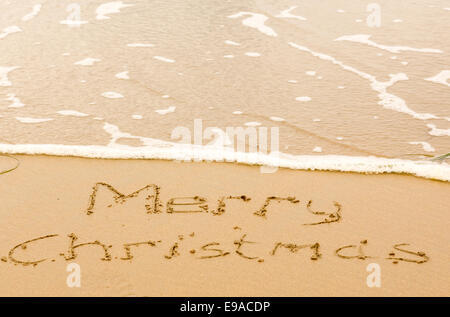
(4, 70)
(89, 61)
(32, 120)
(108, 8)
(287, 14)
(72, 113)
(387, 100)
(365, 39)
(256, 21)
(441, 78)
(9, 30)
(16, 103)
(165, 150)
(184, 152)
(33, 13)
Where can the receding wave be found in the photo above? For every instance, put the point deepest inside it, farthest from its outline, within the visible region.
(187, 152)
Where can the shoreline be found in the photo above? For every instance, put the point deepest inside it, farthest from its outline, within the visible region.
(268, 163)
(199, 229)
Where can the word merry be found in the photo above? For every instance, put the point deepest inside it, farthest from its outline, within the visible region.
(198, 204)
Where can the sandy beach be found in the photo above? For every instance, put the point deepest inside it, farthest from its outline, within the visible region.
(265, 241)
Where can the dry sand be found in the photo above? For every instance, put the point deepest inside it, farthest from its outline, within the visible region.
(209, 253)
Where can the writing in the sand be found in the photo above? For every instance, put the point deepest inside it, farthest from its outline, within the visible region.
(242, 246)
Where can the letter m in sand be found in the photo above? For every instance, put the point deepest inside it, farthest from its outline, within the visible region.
(150, 193)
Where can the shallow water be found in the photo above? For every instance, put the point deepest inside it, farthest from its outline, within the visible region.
(124, 75)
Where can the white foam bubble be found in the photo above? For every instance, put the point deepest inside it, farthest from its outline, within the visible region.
(317, 149)
(229, 42)
(237, 112)
(166, 111)
(73, 23)
(255, 21)
(157, 149)
(365, 39)
(287, 14)
(33, 13)
(441, 78)
(164, 59)
(340, 11)
(303, 98)
(310, 73)
(73, 113)
(277, 119)
(136, 116)
(140, 45)
(16, 103)
(122, 75)
(105, 9)
(4, 70)
(9, 30)
(387, 100)
(425, 145)
(89, 61)
(253, 54)
(228, 56)
(32, 120)
(252, 124)
(112, 95)
(438, 132)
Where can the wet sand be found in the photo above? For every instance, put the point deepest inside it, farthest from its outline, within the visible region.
(289, 233)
